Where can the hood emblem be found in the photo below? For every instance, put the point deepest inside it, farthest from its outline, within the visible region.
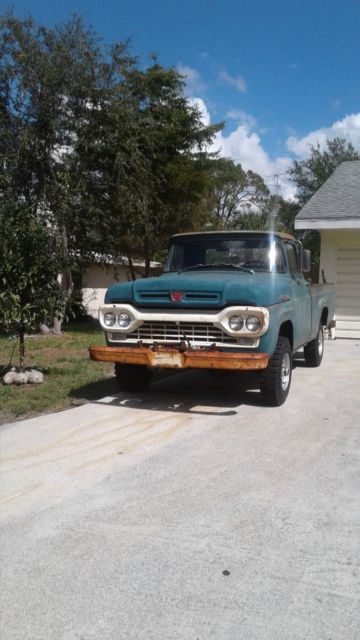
(176, 296)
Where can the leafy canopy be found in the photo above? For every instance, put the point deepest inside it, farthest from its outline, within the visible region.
(145, 173)
(236, 197)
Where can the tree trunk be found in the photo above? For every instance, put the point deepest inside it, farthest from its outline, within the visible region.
(131, 267)
(147, 257)
(57, 326)
(22, 351)
(147, 266)
(44, 329)
(65, 280)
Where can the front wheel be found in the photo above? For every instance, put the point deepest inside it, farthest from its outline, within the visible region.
(276, 378)
(133, 377)
(313, 351)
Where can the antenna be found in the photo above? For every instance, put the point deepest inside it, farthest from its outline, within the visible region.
(275, 210)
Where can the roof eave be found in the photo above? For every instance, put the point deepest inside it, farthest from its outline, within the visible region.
(317, 223)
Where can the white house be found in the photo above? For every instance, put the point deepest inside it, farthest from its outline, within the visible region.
(334, 210)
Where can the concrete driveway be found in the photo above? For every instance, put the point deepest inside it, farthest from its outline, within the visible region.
(189, 512)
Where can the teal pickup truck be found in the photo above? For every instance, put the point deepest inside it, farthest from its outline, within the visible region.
(235, 300)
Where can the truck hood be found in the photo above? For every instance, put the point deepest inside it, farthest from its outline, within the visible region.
(203, 289)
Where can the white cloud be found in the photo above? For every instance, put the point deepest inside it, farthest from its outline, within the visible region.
(193, 81)
(348, 128)
(236, 82)
(242, 117)
(244, 146)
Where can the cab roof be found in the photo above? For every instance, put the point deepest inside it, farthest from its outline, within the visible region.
(280, 234)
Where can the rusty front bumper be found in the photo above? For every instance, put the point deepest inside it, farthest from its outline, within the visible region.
(173, 358)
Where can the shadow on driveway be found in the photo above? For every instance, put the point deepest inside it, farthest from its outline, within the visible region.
(191, 391)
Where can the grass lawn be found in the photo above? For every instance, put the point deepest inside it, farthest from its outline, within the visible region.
(70, 377)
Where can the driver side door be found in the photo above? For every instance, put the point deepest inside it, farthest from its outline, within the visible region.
(301, 296)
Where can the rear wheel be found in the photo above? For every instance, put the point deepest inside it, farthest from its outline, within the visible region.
(275, 380)
(133, 377)
(313, 351)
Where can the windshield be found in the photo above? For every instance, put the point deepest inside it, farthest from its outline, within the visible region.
(249, 253)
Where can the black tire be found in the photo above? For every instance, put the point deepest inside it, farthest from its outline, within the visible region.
(275, 380)
(133, 377)
(314, 350)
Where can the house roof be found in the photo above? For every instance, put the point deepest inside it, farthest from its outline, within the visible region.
(337, 203)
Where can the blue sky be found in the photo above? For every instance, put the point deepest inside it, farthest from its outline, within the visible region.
(282, 74)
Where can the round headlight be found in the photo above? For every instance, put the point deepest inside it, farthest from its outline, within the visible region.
(236, 323)
(124, 319)
(253, 323)
(109, 319)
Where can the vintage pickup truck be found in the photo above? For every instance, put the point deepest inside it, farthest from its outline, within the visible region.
(225, 300)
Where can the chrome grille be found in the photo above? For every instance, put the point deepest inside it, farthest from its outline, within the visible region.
(172, 332)
(197, 333)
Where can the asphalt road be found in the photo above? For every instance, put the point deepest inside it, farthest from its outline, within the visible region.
(187, 513)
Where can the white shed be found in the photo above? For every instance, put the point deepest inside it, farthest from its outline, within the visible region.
(334, 210)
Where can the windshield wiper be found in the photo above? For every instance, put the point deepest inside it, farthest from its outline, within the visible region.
(222, 265)
(193, 267)
(239, 267)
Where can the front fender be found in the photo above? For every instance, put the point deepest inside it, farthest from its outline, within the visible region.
(278, 314)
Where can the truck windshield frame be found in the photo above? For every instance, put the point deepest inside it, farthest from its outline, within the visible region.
(248, 253)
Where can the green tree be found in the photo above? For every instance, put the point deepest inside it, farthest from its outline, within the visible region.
(108, 157)
(50, 79)
(281, 213)
(235, 195)
(256, 221)
(145, 167)
(29, 265)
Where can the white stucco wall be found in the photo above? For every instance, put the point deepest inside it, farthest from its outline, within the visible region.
(95, 281)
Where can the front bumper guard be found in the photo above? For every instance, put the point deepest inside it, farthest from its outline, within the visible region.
(174, 358)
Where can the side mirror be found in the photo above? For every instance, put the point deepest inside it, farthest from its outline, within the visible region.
(305, 260)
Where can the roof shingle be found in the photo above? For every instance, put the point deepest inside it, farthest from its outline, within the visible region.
(338, 198)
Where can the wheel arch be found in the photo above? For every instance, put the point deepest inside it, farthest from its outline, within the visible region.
(324, 317)
(286, 330)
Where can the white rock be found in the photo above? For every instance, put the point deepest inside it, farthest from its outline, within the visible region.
(22, 378)
(9, 377)
(35, 377)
